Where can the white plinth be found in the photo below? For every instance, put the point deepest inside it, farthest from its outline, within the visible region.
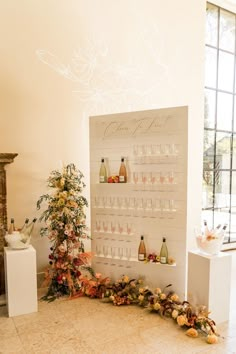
(21, 283)
(209, 280)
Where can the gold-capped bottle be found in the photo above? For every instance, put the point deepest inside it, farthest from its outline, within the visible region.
(26, 234)
(206, 231)
(164, 252)
(12, 226)
(22, 230)
(30, 227)
(142, 254)
(103, 172)
(122, 172)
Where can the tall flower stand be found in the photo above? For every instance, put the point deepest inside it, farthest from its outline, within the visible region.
(20, 279)
(209, 279)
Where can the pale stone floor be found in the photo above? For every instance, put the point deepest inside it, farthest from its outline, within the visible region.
(89, 326)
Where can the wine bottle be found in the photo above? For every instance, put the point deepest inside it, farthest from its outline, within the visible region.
(103, 172)
(222, 231)
(30, 227)
(25, 237)
(216, 230)
(164, 252)
(142, 250)
(122, 172)
(206, 230)
(22, 230)
(11, 227)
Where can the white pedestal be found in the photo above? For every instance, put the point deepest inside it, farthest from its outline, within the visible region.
(209, 283)
(21, 283)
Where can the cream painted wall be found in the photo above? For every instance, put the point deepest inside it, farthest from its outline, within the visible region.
(63, 61)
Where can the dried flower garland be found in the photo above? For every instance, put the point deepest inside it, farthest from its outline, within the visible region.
(127, 291)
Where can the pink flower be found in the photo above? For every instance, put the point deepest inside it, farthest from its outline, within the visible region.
(98, 275)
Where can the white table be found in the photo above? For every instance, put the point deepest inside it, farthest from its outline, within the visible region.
(21, 282)
(209, 279)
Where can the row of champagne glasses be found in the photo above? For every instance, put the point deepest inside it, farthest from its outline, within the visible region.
(154, 178)
(114, 227)
(123, 253)
(133, 203)
(151, 153)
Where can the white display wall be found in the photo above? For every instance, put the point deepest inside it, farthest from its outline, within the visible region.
(153, 201)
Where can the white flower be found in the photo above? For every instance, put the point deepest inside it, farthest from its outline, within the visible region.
(162, 296)
(174, 297)
(175, 314)
(158, 291)
(181, 320)
(141, 298)
(157, 306)
(61, 248)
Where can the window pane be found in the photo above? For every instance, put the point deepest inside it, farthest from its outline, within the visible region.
(210, 108)
(222, 197)
(227, 30)
(210, 67)
(222, 216)
(207, 192)
(208, 146)
(226, 70)
(233, 208)
(234, 126)
(234, 153)
(224, 111)
(211, 25)
(223, 150)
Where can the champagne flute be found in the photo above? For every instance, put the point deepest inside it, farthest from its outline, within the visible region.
(105, 251)
(128, 253)
(144, 177)
(129, 228)
(113, 227)
(98, 226)
(120, 252)
(113, 252)
(135, 177)
(162, 178)
(136, 153)
(98, 250)
(171, 177)
(120, 228)
(105, 226)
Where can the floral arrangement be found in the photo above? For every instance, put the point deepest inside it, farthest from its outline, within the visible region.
(127, 291)
(66, 229)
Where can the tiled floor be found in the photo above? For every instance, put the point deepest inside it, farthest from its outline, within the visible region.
(93, 327)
